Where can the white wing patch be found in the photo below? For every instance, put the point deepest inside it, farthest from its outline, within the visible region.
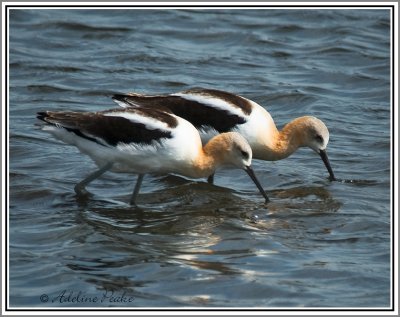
(211, 101)
(122, 104)
(150, 123)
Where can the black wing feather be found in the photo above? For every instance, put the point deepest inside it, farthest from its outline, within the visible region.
(199, 114)
(102, 129)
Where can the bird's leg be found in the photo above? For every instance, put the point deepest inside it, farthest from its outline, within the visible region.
(80, 187)
(210, 179)
(136, 189)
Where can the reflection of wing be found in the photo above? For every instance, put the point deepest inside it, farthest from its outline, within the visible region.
(112, 127)
(204, 108)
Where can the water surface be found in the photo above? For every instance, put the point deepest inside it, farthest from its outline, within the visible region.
(191, 244)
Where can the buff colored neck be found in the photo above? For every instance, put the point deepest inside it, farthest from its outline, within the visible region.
(211, 156)
(286, 141)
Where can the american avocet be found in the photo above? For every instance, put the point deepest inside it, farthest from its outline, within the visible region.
(213, 111)
(146, 141)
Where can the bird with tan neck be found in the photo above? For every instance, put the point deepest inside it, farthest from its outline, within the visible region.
(146, 141)
(213, 111)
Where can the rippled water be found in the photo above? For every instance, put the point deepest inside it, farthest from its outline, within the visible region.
(191, 244)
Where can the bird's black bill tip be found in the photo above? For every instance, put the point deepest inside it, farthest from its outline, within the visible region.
(253, 177)
(324, 157)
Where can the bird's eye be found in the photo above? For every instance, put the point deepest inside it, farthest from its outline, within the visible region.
(319, 139)
(245, 154)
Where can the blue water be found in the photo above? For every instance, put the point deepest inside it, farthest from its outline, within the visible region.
(191, 244)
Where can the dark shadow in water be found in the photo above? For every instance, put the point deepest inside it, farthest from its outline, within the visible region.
(176, 233)
(174, 191)
(304, 201)
(190, 205)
